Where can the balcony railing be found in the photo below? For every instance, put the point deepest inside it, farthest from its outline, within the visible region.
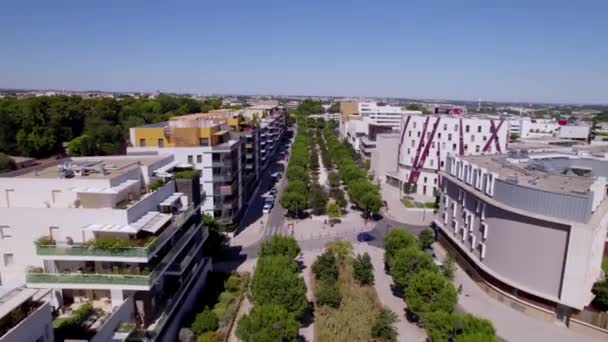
(139, 252)
(85, 278)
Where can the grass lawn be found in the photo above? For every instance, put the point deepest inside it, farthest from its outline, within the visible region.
(353, 320)
(411, 204)
(408, 203)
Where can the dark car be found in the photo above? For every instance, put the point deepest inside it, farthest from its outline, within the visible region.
(363, 237)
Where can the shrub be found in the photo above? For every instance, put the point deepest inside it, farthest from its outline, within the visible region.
(221, 311)
(209, 336)
(204, 322)
(74, 321)
(156, 184)
(280, 245)
(340, 248)
(267, 323)
(383, 329)
(430, 291)
(426, 239)
(325, 267)
(226, 297)
(363, 270)
(109, 242)
(233, 283)
(448, 269)
(186, 174)
(327, 293)
(444, 326)
(45, 240)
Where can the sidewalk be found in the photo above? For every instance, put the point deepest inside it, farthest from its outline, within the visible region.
(510, 324)
(397, 211)
(407, 331)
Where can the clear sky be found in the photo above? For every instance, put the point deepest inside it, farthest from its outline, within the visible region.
(507, 50)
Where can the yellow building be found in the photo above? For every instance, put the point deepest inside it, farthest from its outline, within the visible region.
(201, 129)
(349, 110)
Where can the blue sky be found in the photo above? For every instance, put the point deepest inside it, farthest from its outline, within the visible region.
(493, 50)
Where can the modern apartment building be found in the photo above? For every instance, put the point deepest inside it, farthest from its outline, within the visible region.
(230, 149)
(532, 225)
(427, 140)
(384, 115)
(108, 233)
(208, 146)
(25, 315)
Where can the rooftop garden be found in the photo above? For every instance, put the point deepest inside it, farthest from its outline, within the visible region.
(101, 245)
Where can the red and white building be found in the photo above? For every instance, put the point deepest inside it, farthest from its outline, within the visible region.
(427, 140)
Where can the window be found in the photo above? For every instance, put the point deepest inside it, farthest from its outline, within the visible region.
(484, 230)
(161, 142)
(424, 179)
(5, 232)
(199, 159)
(431, 161)
(456, 128)
(453, 147)
(439, 135)
(466, 128)
(484, 138)
(466, 147)
(408, 150)
(8, 259)
(477, 148)
(443, 145)
(418, 134)
(414, 124)
(203, 141)
(409, 133)
(445, 126)
(478, 129)
(413, 142)
(482, 250)
(450, 137)
(442, 163)
(472, 138)
(190, 159)
(142, 142)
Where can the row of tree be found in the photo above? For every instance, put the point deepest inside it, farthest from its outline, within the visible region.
(428, 290)
(278, 294)
(39, 126)
(361, 191)
(294, 197)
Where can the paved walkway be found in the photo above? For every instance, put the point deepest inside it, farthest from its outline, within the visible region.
(407, 331)
(510, 324)
(397, 211)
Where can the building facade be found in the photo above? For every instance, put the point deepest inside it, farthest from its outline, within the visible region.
(427, 140)
(533, 226)
(108, 232)
(25, 315)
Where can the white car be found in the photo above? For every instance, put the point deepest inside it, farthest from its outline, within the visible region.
(267, 207)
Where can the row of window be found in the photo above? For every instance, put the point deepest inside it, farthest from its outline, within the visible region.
(161, 142)
(428, 136)
(467, 128)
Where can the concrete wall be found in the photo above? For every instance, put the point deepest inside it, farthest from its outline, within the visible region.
(384, 156)
(523, 252)
(122, 314)
(150, 202)
(36, 327)
(561, 205)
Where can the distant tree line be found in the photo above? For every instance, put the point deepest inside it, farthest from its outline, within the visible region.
(39, 126)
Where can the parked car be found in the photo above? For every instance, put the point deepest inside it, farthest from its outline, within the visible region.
(363, 237)
(269, 199)
(273, 192)
(267, 207)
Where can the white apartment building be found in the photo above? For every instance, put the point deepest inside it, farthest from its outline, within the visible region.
(108, 232)
(527, 128)
(427, 140)
(384, 115)
(25, 316)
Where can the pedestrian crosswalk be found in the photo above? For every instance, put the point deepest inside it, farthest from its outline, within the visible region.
(270, 231)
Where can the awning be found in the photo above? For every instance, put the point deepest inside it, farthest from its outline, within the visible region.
(155, 223)
(111, 228)
(165, 168)
(171, 199)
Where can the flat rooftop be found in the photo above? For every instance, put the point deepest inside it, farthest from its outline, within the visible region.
(536, 173)
(93, 167)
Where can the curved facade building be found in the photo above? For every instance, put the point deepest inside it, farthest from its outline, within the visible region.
(534, 225)
(426, 141)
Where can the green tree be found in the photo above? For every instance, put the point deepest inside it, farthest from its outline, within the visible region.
(600, 290)
(396, 239)
(340, 198)
(327, 293)
(318, 199)
(268, 323)
(333, 210)
(82, 146)
(280, 245)
(275, 281)
(334, 180)
(334, 108)
(406, 263)
(363, 270)
(426, 239)
(340, 248)
(325, 267)
(383, 329)
(204, 322)
(294, 202)
(7, 163)
(429, 291)
(448, 269)
(297, 186)
(297, 172)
